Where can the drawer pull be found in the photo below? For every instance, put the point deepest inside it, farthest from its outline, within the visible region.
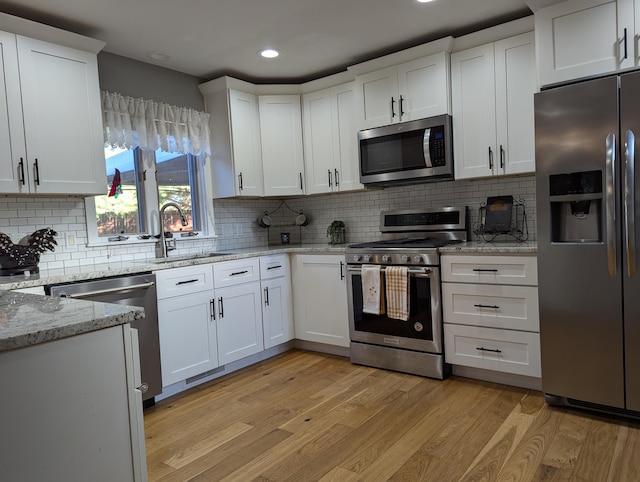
(239, 272)
(481, 348)
(186, 282)
(485, 270)
(493, 307)
(274, 267)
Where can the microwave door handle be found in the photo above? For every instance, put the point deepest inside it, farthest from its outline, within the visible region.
(425, 147)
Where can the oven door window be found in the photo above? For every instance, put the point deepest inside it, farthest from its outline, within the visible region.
(420, 323)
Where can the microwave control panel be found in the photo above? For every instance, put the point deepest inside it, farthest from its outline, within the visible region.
(437, 146)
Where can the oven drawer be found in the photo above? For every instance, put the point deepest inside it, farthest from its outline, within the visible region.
(183, 281)
(511, 270)
(491, 306)
(500, 350)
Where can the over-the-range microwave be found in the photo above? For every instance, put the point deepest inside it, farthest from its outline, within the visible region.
(408, 152)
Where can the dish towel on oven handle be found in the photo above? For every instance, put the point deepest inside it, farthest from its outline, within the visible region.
(372, 297)
(397, 278)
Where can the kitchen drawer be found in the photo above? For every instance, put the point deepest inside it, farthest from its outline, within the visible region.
(182, 281)
(231, 273)
(275, 266)
(506, 351)
(491, 306)
(511, 270)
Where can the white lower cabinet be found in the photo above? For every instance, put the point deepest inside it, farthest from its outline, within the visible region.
(320, 299)
(70, 409)
(277, 310)
(490, 312)
(188, 336)
(239, 322)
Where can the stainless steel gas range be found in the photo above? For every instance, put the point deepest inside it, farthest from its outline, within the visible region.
(409, 238)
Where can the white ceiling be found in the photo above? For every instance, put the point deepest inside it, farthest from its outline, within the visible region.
(209, 38)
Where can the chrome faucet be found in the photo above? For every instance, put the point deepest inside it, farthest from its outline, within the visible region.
(165, 245)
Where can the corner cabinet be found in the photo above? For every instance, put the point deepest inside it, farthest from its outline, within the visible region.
(493, 117)
(330, 147)
(70, 409)
(404, 92)
(281, 140)
(582, 38)
(50, 119)
(320, 299)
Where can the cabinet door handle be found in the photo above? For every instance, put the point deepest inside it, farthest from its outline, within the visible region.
(501, 157)
(239, 272)
(490, 158)
(301, 187)
(186, 282)
(393, 107)
(36, 170)
(625, 44)
(220, 308)
(485, 270)
(240, 181)
(341, 271)
(212, 303)
(336, 177)
(266, 296)
(493, 307)
(21, 166)
(329, 175)
(401, 108)
(481, 348)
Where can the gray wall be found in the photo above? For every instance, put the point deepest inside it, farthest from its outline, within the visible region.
(138, 79)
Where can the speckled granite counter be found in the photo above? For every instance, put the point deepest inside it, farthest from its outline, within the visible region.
(27, 319)
(146, 265)
(474, 247)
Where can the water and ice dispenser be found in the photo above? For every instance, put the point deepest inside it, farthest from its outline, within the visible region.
(576, 207)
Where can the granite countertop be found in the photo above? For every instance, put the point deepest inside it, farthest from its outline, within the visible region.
(27, 319)
(482, 247)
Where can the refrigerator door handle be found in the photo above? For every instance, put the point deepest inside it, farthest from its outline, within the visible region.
(629, 202)
(610, 208)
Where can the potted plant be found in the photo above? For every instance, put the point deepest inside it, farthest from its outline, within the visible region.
(336, 231)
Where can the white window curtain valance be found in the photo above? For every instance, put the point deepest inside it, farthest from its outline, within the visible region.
(130, 122)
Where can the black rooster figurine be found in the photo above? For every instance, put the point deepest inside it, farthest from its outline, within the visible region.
(24, 256)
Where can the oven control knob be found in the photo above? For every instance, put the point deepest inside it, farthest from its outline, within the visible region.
(356, 257)
(417, 258)
(405, 258)
(366, 258)
(386, 258)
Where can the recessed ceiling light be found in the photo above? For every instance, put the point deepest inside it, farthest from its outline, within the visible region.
(157, 56)
(269, 53)
(425, 1)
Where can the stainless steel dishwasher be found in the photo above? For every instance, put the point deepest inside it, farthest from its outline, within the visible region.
(133, 290)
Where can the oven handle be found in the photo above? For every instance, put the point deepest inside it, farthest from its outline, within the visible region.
(423, 271)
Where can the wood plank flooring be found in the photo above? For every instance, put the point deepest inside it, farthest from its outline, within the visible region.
(304, 416)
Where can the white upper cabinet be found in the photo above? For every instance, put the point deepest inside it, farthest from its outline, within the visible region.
(492, 97)
(235, 141)
(51, 121)
(408, 91)
(330, 147)
(581, 38)
(281, 139)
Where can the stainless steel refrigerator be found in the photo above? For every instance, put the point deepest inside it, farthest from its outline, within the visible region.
(587, 204)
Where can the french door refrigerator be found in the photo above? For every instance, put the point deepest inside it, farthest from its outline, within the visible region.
(587, 203)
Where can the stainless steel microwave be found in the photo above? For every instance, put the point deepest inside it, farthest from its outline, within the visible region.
(409, 152)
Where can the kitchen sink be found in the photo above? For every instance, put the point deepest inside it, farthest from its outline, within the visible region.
(186, 257)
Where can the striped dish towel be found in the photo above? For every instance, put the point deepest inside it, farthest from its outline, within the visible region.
(397, 292)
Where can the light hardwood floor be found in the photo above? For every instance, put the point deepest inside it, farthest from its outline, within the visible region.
(307, 416)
